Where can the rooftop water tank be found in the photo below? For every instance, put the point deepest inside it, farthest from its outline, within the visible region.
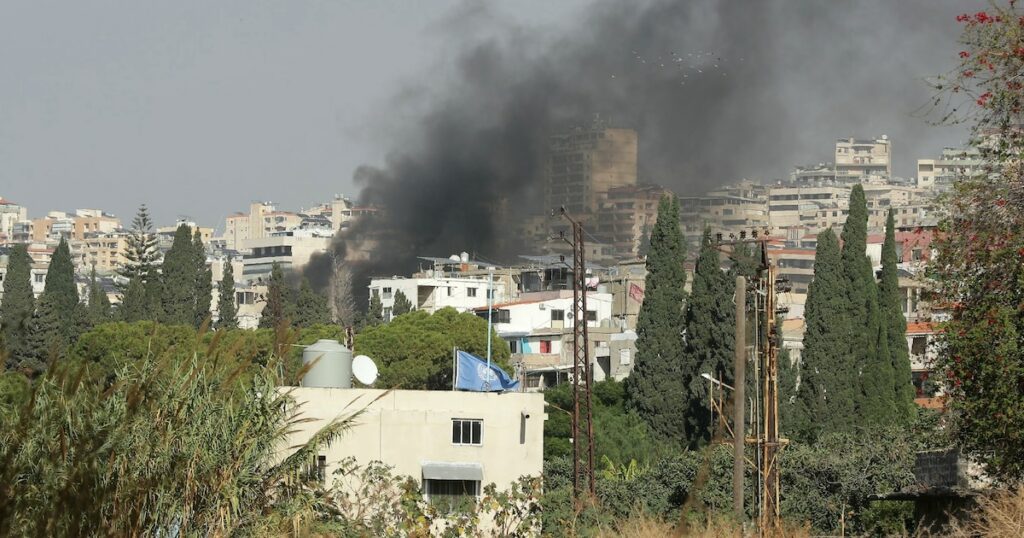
(332, 370)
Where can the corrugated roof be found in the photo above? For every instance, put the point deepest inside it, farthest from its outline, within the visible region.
(926, 327)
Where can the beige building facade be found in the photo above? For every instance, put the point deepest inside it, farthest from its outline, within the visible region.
(587, 162)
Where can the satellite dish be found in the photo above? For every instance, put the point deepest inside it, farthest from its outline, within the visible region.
(364, 370)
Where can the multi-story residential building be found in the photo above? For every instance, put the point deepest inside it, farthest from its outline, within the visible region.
(814, 175)
(538, 328)
(40, 255)
(863, 160)
(729, 209)
(59, 225)
(165, 234)
(953, 163)
(344, 212)
(626, 219)
(587, 162)
(105, 251)
(455, 282)
(795, 211)
(796, 265)
(10, 214)
(290, 250)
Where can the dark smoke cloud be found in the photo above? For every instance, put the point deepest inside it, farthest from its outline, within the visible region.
(797, 75)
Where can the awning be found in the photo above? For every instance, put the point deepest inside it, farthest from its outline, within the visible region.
(433, 470)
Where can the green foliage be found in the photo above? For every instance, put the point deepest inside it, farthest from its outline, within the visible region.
(227, 310)
(98, 306)
(179, 280)
(203, 281)
(176, 446)
(141, 251)
(894, 326)
(619, 434)
(824, 402)
(656, 388)
(415, 351)
(133, 306)
(311, 308)
(710, 338)
(374, 315)
(277, 311)
(402, 305)
(17, 307)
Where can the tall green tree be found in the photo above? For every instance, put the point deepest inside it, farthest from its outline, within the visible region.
(98, 305)
(656, 389)
(179, 279)
(227, 311)
(402, 305)
(710, 338)
(133, 306)
(873, 402)
(141, 253)
(276, 310)
(55, 325)
(17, 306)
(311, 308)
(374, 313)
(204, 280)
(828, 380)
(895, 326)
(153, 294)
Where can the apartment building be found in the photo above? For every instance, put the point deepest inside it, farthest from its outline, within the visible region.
(952, 164)
(105, 252)
(626, 218)
(586, 162)
(729, 209)
(10, 214)
(289, 249)
(795, 211)
(863, 160)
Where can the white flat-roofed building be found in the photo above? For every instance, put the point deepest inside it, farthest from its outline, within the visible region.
(453, 443)
(952, 164)
(290, 250)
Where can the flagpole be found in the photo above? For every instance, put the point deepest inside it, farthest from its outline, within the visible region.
(455, 362)
(490, 313)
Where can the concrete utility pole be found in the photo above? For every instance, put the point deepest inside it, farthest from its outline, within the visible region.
(739, 398)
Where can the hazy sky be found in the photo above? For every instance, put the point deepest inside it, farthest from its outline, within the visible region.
(197, 108)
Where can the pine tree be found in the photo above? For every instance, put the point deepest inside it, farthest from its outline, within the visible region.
(311, 308)
(56, 322)
(141, 251)
(275, 312)
(98, 305)
(871, 372)
(227, 311)
(710, 338)
(825, 399)
(17, 306)
(204, 281)
(655, 388)
(402, 305)
(895, 326)
(179, 280)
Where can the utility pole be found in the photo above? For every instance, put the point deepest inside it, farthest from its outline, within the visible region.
(770, 442)
(582, 416)
(739, 398)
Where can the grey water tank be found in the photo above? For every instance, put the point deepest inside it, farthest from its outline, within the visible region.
(332, 370)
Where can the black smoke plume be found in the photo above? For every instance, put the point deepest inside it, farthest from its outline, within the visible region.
(717, 90)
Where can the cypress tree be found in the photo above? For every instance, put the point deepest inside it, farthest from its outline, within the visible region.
(98, 305)
(141, 250)
(49, 338)
(895, 326)
(862, 307)
(153, 295)
(374, 313)
(55, 323)
(17, 306)
(402, 305)
(710, 338)
(204, 281)
(656, 389)
(134, 305)
(311, 308)
(227, 311)
(825, 399)
(179, 280)
(276, 310)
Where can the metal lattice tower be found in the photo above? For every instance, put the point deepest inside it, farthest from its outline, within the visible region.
(582, 416)
(769, 442)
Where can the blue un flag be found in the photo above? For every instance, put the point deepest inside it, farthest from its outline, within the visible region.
(472, 373)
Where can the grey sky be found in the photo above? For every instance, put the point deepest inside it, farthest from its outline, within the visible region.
(197, 108)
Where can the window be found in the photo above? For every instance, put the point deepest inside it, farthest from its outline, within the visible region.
(557, 315)
(387, 292)
(919, 345)
(591, 315)
(545, 346)
(387, 314)
(467, 431)
(452, 495)
(449, 288)
(40, 278)
(490, 294)
(623, 356)
(470, 292)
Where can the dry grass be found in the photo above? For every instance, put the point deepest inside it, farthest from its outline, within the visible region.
(642, 526)
(999, 515)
